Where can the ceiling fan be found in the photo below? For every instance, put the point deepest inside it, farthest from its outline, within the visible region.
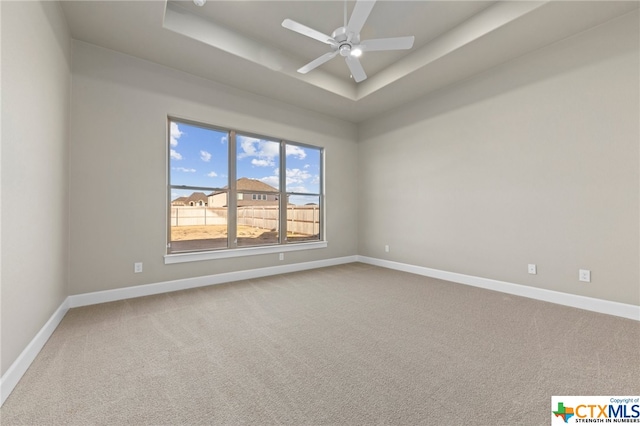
(346, 40)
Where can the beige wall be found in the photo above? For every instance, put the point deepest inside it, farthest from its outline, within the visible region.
(536, 161)
(118, 158)
(35, 115)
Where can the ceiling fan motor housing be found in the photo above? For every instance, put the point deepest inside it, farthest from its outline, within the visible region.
(340, 34)
(345, 40)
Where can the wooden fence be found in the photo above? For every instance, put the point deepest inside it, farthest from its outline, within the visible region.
(198, 216)
(304, 220)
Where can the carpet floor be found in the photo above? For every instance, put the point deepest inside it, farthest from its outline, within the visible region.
(346, 345)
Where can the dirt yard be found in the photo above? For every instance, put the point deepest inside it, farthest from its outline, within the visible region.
(186, 238)
(202, 232)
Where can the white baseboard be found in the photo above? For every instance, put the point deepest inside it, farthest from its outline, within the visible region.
(13, 375)
(86, 299)
(566, 299)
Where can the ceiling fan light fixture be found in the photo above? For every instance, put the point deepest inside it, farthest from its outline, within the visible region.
(199, 2)
(356, 52)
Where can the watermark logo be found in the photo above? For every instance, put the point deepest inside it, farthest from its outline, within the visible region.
(564, 412)
(595, 409)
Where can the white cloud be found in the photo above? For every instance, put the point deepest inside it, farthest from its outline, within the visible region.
(269, 149)
(224, 140)
(296, 151)
(262, 162)
(183, 169)
(306, 166)
(264, 152)
(175, 154)
(205, 156)
(271, 180)
(249, 146)
(297, 176)
(175, 134)
(212, 174)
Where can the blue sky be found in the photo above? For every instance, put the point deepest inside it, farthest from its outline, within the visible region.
(199, 157)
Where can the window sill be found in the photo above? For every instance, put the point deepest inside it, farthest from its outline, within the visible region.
(241, 252)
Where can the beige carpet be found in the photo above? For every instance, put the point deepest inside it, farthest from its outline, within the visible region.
(346, 345)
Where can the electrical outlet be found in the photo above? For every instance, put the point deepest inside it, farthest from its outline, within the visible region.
(281, 256)
(137, 267)
(532, 269)
(584, 275)
(386, 248)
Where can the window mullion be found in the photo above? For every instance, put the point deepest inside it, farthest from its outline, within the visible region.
(232, 196)
(283, 193)
(322, 201)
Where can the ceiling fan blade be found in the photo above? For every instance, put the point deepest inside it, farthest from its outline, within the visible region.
(356, 69)
(309, 32)
(394, 43)
(317, 62)
(359, 15)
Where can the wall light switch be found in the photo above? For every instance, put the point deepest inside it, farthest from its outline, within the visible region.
(532, 269)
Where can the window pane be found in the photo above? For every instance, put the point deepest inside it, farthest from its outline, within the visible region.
(198, 221)
(303, 218)
(303, 169)
(257, 220)
(258, 159)
(198, 156)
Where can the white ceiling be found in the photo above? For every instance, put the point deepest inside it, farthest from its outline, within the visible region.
(242, 43)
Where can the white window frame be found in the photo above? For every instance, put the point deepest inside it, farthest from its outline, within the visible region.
(232, 250)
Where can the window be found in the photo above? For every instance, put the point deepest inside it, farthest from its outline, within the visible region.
(231, 190)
